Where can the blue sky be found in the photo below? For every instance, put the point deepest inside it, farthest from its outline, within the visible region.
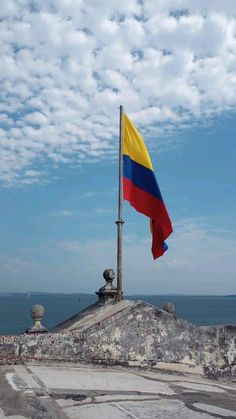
(64, 75)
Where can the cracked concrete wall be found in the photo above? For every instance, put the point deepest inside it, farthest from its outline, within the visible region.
(142, 336)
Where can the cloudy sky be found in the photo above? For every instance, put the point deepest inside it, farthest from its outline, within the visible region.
(66, 66)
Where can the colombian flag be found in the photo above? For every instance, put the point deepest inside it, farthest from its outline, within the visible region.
(140, 186)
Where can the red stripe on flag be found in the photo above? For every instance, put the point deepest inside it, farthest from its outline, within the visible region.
(152, 207)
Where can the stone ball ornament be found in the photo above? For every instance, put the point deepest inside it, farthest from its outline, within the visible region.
(169, 307)
(37, 311)
(107, 294)
(109, 274)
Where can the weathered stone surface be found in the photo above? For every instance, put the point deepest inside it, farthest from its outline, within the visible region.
(88, 391)
(134, 333)
(9, 349)
(143, 335)
(92, 315)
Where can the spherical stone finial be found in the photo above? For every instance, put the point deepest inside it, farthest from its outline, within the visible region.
(169, 307)
(109, 274)
(37, 312)
(107, 293)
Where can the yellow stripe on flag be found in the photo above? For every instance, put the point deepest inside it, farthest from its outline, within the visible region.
(133, 144)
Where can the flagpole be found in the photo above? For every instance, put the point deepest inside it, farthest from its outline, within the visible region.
(120, 221)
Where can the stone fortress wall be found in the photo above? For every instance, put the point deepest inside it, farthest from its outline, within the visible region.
(127, 333)
(133, 334)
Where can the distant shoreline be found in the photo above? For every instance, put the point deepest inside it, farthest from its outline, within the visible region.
(35, 293)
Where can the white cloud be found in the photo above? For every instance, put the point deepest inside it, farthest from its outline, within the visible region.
(15, 265)
(67, 65)
(62, 213)
(36, 118)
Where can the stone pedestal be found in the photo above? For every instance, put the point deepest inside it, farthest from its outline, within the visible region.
(108, 293)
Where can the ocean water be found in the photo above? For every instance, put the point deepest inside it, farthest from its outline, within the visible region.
(202, 310)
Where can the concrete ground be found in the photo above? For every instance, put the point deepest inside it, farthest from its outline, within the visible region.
(86, 391)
